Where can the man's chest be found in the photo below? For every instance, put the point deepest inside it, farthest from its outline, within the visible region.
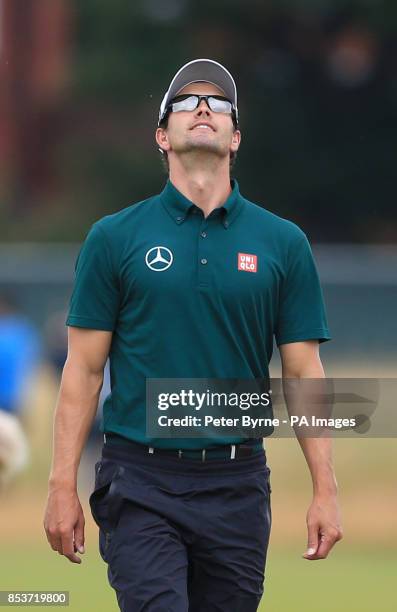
(200, 256)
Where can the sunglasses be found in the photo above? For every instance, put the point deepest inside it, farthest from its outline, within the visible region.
(189, 102)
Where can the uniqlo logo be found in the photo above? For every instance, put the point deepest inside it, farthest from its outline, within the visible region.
(247, 262)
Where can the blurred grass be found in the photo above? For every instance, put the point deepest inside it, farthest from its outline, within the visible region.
(351, 581)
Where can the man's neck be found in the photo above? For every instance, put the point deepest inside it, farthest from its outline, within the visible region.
(208, 188)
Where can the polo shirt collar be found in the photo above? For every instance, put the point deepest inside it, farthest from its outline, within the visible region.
(178, 205)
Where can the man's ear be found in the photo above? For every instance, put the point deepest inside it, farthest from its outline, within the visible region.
(162, 139)
(236, 139)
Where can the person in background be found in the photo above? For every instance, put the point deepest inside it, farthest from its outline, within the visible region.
(20, 351)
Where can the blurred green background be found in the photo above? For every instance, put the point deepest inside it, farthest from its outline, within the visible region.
(80, 88)
(82, 84)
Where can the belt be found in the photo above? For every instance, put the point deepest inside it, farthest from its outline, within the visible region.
(250, 447)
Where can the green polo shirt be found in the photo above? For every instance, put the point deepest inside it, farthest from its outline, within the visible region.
(192, 297)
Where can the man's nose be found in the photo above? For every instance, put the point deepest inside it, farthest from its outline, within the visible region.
(203, 106)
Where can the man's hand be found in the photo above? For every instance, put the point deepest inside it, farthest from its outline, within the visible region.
(64, 523)
(323, 526)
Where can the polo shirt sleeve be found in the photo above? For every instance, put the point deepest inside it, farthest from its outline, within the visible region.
(301, 313)
(95, 298)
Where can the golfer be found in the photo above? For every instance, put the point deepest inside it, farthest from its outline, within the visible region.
(194, 282)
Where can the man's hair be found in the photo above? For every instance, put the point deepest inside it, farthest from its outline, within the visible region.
(164, 154)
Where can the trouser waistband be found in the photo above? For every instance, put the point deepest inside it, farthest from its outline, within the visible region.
(248, 448)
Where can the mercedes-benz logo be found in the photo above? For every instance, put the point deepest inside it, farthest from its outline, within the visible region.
(159, 258)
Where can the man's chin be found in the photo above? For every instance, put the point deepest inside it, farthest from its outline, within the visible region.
(202, 147)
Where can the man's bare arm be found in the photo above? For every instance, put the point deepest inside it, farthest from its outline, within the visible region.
(302, 360)
(81, 383)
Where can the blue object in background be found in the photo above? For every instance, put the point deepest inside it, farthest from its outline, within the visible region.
(20, 351)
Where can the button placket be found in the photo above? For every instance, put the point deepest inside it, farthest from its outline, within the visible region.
(203, 254)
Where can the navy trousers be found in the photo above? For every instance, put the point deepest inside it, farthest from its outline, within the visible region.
(181, 535)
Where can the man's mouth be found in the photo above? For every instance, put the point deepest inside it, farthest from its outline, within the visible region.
(204, 126)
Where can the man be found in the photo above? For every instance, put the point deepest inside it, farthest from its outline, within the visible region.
(163, 288)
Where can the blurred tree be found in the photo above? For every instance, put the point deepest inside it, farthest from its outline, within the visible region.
(317, 92)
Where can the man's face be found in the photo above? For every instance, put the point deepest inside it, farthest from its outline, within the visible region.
(186, 131)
